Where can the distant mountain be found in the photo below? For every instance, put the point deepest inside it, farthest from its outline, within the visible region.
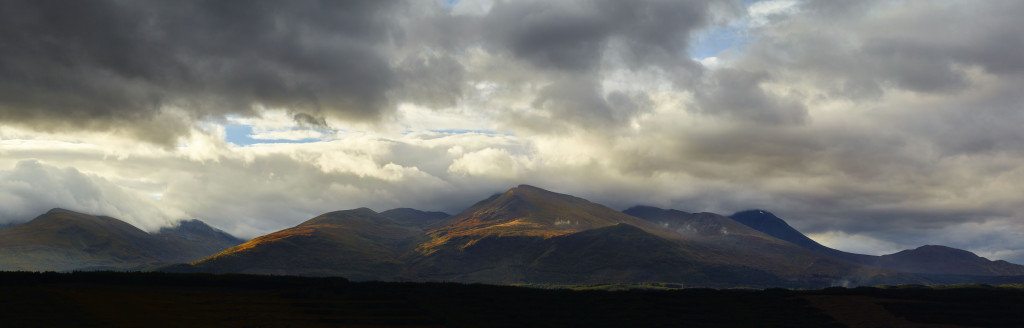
(359, 244)
(62, 240)
(194, 240)
(936, 259)
(409, 216)
(926, 259)
(768, 223)
(7, 225)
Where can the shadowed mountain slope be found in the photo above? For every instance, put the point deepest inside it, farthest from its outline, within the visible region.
(768, 223)
(693, 224)
(414, 217)
(194, 240)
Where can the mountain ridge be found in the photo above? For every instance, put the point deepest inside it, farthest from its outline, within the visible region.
(531, 235)
(525, 235)
(927, 259)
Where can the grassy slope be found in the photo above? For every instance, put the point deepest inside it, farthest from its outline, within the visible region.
(65, 240)
(359, 244)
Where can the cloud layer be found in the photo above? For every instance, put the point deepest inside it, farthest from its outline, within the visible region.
(890, 121)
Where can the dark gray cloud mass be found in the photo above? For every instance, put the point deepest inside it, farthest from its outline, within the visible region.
(573, 35)
(102, 64)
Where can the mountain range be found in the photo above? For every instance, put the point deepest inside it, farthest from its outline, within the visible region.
(63, 240)
(525, 235)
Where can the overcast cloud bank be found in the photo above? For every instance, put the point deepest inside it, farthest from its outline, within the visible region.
(889, 121)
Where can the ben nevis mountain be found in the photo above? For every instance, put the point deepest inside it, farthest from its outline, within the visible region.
(63, 240)
(525, 235)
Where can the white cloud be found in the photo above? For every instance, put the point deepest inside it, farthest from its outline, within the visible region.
(762, 12)
(856, 243)
(488, 162)
(31, 188)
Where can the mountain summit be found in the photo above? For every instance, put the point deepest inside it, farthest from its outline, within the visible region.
(529, 211)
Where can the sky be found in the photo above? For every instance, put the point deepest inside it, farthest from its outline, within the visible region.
(872, 126)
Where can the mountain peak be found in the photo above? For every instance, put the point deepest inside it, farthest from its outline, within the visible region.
(530, 211)
(531, 190)
(356, 216)
(62, 211)
(947, 260)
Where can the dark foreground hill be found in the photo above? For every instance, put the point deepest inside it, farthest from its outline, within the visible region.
(62, 240)
(104, 299)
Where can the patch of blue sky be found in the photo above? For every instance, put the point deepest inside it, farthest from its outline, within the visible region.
(715, 41)
(712, 42)
(464, 131)
(449, 4)
(241, 134)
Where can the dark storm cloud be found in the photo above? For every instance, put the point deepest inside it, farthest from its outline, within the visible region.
(582, 102)
(307, 120)
(102, 64)
(573, 45)
(860, 48)
(435, 81)
(573, 36)
(738, 94)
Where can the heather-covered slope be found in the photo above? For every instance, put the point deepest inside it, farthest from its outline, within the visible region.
(359, 244)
